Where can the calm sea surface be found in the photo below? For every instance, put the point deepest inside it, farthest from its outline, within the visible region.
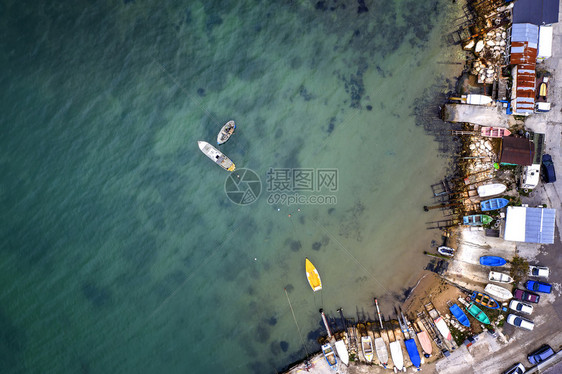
(121, 251)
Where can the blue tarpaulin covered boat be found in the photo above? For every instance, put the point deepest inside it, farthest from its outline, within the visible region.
(459, 315)
(492, 261)
(413, 352)
(493, 204)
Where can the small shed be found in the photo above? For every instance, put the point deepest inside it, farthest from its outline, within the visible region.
(517, 151)
(530, 225)
(537, 12)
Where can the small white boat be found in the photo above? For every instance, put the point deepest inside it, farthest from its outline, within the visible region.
(498, 292)
(446, 251)
(226, 131)
(443, 328)
(491, 189)
(397, 355)
(382, 353)
(217, 156)
(341, 349)
(367, 347)
(473, 99)
(496, 276)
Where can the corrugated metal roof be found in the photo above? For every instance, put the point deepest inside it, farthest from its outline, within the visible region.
(530, 225)
(537, 12)
(518, 151)
(524, 57)
(539, 225)
(524, 32)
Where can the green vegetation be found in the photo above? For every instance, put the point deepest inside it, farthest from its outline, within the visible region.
(458, 335)
(519, 268)
(352, 357)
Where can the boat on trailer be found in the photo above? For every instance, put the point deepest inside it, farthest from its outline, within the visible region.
(446, 251)
(491, 189)
(477, 220)
(484, 300)
(498, 292)
(494, 132)
(226, 132)
(459, 315)
(478, 314)
(330, 356)
(493, 204)
(217, 156)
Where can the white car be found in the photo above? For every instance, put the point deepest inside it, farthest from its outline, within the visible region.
(539, 271)
(520, 306)
(518, 368)
(517, 321)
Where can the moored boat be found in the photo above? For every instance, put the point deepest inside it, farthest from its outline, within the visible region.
(492, 261)
(446, 251)
(491, 189)
(330, 356)
(493, 204)
(459, 315)
(494, 132)
(217, 156)
(412, 350)
(498, 292)
(476, 220)
(496, 276)
(478, 314)
(425, 342)
(484, 300)
(397, 355)
(312, 276)
(341, 349)
(367, 347)
(226, 131)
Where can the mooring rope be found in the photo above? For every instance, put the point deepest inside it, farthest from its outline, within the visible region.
(296, 323)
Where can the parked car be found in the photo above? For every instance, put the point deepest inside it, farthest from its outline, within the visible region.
(526, 296)
(540, 355)
(548, 172)
(515, 320)
(539, 271)
(537, 286)
(518, 368)
(521, 306)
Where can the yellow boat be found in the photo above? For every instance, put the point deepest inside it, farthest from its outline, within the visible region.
(313, 276)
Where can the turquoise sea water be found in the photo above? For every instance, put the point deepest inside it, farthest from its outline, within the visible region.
(121, 252)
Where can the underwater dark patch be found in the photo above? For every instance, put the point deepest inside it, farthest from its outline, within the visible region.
(98, 296)
(316, 246)
(201, 91)
(262, 333)
(362, 8)
(331, 125)
(295, 245)
(307, 96)
(321, 5)
(289, 288)
(272, 321)
(284, 346)
(274, 348)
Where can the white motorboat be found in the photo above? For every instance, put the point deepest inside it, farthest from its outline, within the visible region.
(498, 292)
(496, 276)
(341, 349)
(217, 156)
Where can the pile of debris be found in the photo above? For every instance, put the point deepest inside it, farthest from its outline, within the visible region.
(482, 154)
(491, 54)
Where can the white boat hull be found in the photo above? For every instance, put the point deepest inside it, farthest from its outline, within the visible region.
(216, 156)
(382, 353)
(397, 355)
(443, 328)
(498, 292)
(495, 276)
(491, 189)
(341, 349)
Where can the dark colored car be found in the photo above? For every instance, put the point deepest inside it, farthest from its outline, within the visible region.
(537, 286)
(540, 355)
(526, 296)
(548, 172)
